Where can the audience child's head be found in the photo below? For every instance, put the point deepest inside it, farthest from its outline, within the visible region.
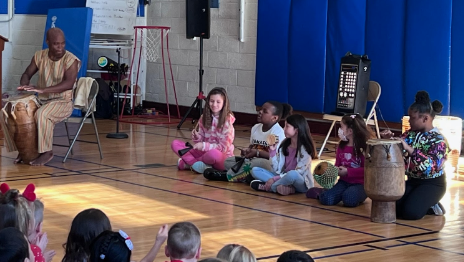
(236, 253)
(296, 127)
(353, 128)
(225, 251)
(423, 111)
(7, 216)
(24, 217)
(85, 227)
(184, 242)
(272, 112)
(14, 246)
(217, 104)
(295, 256)
(111, 246)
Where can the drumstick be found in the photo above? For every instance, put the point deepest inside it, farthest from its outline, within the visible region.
(196, 125)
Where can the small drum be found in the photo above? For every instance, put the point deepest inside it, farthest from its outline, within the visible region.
(384, 180)
(19, 117)
(325, 174)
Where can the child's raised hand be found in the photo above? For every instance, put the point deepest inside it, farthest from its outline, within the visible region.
(162, 233)
(342, 171)
(48, 255)
(387, 134)
(42, 241)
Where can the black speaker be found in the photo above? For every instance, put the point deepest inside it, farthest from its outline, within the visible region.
(198, 18)
(353, 86)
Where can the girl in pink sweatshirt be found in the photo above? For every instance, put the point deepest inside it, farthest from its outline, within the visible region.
(213, 141)
(349, 189)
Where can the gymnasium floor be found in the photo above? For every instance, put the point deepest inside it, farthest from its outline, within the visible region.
(139, 187)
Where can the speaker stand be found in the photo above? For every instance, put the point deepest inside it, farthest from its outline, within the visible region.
(118, 135)
(198, 101)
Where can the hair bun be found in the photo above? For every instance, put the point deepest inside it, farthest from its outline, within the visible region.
(422, 97)
(10, 196)
(437, 106)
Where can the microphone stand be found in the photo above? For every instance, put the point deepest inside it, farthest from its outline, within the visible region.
(118, 135)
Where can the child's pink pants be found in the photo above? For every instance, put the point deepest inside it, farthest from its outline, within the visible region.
(213, 157)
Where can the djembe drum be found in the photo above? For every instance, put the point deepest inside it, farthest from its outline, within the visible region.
(19, 118)
(384, 180)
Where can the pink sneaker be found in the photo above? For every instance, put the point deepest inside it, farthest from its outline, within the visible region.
(181, 165)
(285, 190)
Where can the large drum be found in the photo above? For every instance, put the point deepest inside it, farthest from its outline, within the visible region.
(384, 178)
(19, 118)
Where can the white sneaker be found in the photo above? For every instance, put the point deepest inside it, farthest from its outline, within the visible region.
(200, 167)
(438, 209)
(181, 165)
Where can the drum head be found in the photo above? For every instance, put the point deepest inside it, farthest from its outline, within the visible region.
(374, 142)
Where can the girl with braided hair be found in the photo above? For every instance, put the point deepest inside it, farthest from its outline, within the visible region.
(112, 246)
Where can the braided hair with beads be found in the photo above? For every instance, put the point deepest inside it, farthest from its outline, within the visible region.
(111, 246)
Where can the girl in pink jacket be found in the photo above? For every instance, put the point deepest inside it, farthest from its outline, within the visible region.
(213, 141)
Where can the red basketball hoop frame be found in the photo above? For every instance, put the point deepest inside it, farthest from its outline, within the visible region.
(154, 38)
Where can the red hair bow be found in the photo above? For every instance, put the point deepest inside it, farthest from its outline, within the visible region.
(4, 188)
(27, 194)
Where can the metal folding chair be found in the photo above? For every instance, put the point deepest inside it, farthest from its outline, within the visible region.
(87, 118)
(371, 119)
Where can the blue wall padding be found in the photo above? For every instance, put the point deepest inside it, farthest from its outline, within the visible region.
(306, 58)
(345, 32)
(457, 60)
(76, 24)
(41, 7)
(3, 7)
(413, 44)
(384, 46)
(272, 51)
(427, 50)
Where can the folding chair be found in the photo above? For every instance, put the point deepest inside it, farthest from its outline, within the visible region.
(372, 96)
(87, 118)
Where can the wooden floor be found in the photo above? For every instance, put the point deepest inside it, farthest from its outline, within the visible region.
(139, 187)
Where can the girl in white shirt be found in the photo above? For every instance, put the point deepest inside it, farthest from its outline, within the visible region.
(257, 154)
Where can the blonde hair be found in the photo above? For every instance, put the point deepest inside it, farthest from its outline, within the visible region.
(225, 251)
(184, 240)
(236, 253)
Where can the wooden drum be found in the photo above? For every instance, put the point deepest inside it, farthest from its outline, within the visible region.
(384, 180)
(19, 117)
